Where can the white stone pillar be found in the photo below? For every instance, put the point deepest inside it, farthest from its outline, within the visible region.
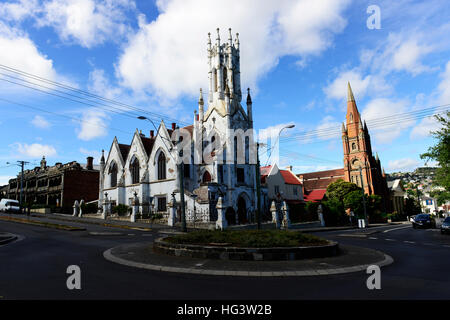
(135, 209)
(75, 208)
(172, 213)
(81, 210)
(221, 222)
(275, 215)
(286, 220)
(320, 215)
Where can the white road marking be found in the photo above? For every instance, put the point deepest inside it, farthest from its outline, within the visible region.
(412, 242)
(390, 239)
(372, 238)
(396, 229)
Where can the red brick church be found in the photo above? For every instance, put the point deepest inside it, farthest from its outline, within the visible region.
(357, 154)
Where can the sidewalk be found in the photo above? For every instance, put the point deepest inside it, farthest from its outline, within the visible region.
(351, 259)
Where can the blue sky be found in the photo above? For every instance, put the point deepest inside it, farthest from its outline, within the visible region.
(296, 56)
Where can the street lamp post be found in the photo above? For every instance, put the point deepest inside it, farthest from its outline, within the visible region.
(258, 179)
(363, 195)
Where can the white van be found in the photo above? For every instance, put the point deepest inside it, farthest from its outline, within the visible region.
(9, 205)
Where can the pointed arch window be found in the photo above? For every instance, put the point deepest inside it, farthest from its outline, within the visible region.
(134, 169)
(206, 177)
(161, 166)
(113, 174)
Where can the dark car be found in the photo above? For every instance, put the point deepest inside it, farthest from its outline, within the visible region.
(422, 220)
(445, 226)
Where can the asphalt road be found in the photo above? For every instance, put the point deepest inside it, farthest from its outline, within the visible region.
(35, 268)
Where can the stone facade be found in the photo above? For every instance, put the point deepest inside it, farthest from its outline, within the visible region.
(216, 156)
(57, 186)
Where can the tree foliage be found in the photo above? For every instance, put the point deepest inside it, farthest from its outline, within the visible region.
(441, 152)
(339, 189)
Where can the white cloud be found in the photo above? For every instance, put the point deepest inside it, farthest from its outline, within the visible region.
(168, 56)
(338, 88)
(444, 86)
(379, 113)
(23, 54)
(86, 22)
(406, 164)
(93, 125)
(327, 125)
(35, 150)
(16, 11)
(424, 128)
(40, 122)
(91, 153)
(5, 180)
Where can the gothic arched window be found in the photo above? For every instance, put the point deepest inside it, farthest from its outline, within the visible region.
(161, 166)
(206, 177)
(134, 169)
(353, 146)
(113, 174)
(351, 117)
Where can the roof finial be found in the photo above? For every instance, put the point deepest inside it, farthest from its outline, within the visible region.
(200, 98)
(350, 96)
(343, 127)
(249, 98)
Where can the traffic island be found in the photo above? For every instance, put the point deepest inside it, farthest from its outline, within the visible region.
(245, 261)
(263, 245)
(6, 237)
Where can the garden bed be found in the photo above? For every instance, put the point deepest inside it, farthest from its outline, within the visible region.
(246, 245)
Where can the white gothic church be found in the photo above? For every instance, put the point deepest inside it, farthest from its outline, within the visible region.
(219, 159)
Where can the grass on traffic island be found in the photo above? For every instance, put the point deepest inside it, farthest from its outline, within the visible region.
(247, 238)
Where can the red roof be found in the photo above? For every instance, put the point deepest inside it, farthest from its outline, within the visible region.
(289, 177)
(314, 195)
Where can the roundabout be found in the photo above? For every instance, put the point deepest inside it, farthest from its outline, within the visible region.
(222, 259)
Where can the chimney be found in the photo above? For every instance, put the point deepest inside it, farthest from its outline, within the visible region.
(174, 125)
(152, 133)
(90, 163)
(289, 168)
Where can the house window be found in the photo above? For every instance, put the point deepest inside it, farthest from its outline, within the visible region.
(113, 174)
(240, 175)
(134, 168)
(162, 204)
(161, 166)
(220, 173)
(187, 170)
(294, 188)
(277, 190)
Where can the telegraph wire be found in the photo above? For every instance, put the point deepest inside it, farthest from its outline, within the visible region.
(86, 93)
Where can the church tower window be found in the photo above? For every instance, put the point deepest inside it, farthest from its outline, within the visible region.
(134, 169)
(161, 166)
(113, 174)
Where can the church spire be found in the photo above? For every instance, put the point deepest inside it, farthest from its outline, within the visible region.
(353, 118)
(350, 96)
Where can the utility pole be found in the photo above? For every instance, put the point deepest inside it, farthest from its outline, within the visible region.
(363, 195)
(21, 164)
(258, 188)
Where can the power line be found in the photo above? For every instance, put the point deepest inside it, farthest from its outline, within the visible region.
(63, 115)
(85, 93)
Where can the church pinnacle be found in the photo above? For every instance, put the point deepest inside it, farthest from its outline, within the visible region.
(350, 96)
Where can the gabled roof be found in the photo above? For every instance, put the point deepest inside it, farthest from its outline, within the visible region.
(124, 150)
(323, 174)
(288, 176)
(314, 195)
(148, 144)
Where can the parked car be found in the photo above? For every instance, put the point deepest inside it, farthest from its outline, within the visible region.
(9, 205)
(445, 226)
(423, 220)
